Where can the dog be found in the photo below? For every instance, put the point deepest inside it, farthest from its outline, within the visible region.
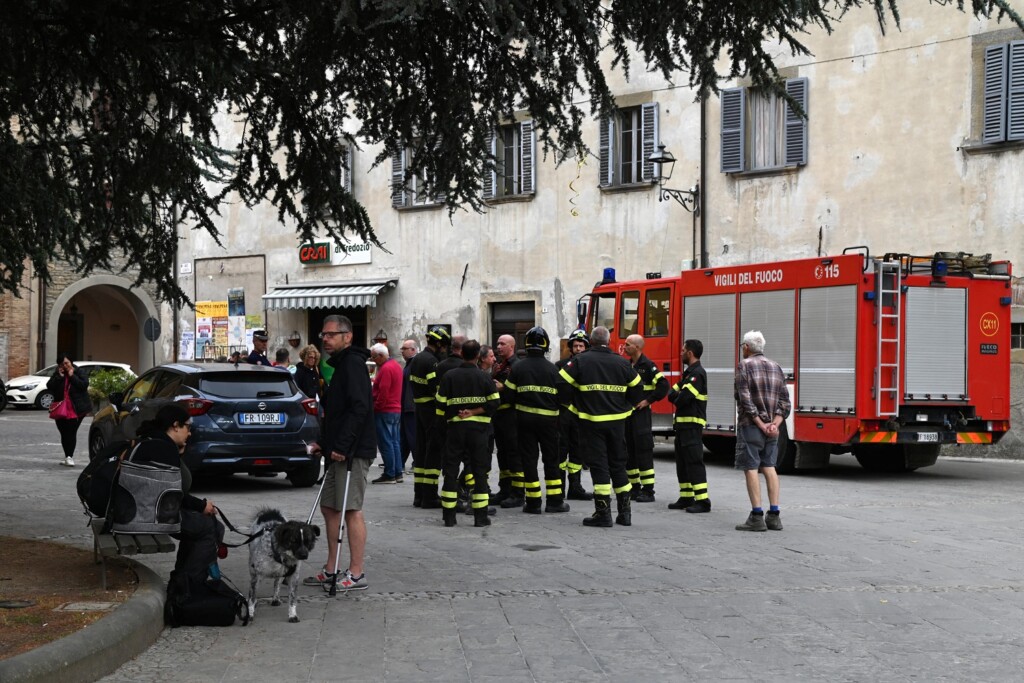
(276, 552)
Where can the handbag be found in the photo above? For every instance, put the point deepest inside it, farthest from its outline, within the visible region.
(64, 409)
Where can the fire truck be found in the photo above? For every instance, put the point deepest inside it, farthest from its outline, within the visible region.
(886, 357)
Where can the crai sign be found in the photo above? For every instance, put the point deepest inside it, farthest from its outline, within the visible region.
(330, 253)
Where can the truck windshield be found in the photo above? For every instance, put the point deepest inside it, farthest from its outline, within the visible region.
(602, 311)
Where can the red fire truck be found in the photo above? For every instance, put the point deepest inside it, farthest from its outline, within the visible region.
(886, 357)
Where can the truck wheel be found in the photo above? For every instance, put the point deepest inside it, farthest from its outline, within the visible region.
(305, 476)
(721, 446)
(785, 463)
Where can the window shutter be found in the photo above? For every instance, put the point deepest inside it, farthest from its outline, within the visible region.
(605, 150)
(649, 122)
(490, 175)
(346, 172)
(994, 110)
(733, 120)
(1015, 95)
(527, 168)
(796, 125)
(398, 193)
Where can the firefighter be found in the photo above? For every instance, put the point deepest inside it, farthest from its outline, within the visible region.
(605, 387)
(534, 385)
(426, 466)
(568, 427)
(450, 362)
(510, 470)
(690, 397)
(466, 400)
(639, 436)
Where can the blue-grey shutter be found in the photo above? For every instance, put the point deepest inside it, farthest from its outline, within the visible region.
(398, 193)
(605, 151)
(649, 123)
(1015, 94)
(733, 121)
(489, 173)
(527, 167)
(347, 170)
(796, 124)
(994, 110)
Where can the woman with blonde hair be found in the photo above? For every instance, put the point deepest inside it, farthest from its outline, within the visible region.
(307, 372)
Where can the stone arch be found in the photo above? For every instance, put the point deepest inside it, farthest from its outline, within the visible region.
(140, 302)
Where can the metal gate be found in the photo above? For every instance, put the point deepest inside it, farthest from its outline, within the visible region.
(828, 342)
(712, 320)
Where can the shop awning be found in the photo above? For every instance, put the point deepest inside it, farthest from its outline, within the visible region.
(327, 295)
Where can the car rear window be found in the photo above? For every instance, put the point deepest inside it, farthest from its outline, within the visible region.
(248, 384)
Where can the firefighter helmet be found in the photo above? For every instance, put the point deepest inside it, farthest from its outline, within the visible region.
(440, 335)
(579, 335)
(537, 339)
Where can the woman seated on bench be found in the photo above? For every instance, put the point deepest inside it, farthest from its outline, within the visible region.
(164, 438)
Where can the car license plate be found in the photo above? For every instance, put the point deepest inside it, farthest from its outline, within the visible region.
(928, 437)
(262, 418)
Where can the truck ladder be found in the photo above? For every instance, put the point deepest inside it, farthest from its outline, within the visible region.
(889, 331)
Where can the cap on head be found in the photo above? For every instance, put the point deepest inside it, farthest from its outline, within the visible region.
(261, 335)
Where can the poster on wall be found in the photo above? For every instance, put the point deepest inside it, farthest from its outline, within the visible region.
(186, 349)
(211, 309)
(220, 336)
(204, 336)
(236, 331)
(236, 301)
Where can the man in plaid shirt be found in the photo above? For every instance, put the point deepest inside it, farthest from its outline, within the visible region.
(763, 405)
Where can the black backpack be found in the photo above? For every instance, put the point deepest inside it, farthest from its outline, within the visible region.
(203, 603)
(97, 479)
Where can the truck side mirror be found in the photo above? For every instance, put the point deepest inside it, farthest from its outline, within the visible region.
(581, 312)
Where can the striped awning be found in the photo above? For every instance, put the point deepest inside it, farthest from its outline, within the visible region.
(327, 295)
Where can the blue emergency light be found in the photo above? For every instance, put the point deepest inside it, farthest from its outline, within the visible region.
(608, 276)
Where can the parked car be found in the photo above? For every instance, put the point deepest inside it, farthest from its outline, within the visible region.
(30, 390)
(245, 418)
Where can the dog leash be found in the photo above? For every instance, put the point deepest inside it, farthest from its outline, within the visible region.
(249, 537)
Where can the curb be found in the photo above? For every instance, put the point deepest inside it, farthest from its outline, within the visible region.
(99, 649)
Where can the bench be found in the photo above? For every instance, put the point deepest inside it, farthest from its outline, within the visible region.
(114, 545)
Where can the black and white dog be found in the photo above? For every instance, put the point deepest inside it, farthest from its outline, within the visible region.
(276, 552)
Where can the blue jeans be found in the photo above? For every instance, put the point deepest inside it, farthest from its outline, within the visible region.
(389, 442)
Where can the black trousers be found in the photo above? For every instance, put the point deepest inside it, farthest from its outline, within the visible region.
(640, 448)
(509, 463)
(424, 426)
(197, 544)
(69, 435)
(466, 442)
(569, 438)
(538, 434)
(690, 470)
(605, 446)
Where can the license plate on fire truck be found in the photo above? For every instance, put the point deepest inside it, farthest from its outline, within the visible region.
(261, 418)
(927, 437)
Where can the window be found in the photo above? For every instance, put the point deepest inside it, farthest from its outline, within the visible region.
(603, 310)
(629, 314)
(514, 173)
(412, 191)
(656, 324)
(761, 131)
(627, 140)
(1003, 109)
(1017, 335)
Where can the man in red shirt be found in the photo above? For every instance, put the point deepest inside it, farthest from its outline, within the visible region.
(387, 413)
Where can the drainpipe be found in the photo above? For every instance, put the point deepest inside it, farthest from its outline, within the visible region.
(174, 309)
(41, 326)
(703, 183)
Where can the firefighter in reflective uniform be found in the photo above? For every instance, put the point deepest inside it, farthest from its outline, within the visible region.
(639, 436)
(534, 382)
(450, 362)
(604, 387)
(510, 470)
(690, 397)
(569, 454)
(466, 400)
(426, 467)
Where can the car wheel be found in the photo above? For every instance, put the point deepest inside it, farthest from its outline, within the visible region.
(44, 400)
(305, 476)
(96, 443)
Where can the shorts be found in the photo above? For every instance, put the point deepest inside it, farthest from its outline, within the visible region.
(754, 450)
(334, 485)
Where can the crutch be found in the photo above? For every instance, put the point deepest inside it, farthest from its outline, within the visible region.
(341, 529)
(323, 480)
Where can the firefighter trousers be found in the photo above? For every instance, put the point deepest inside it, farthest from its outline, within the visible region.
(426, 467)
(510, 467)
(640, 449)
(538, 434)
(466, 442)
(605, 446)
(569, 453)
(690, 470)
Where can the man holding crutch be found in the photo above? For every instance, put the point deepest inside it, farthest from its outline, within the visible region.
(349, 441)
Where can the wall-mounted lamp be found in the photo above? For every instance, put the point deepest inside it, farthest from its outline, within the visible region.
(381, 337)
(663, 162)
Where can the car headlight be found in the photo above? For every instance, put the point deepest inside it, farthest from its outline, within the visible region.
(25, 387)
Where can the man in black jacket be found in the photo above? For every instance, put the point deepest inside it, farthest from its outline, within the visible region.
(348, 440)
(690, 397)
(426, 459)
(639, 435)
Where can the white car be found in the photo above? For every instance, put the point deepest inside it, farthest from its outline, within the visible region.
(30, 390)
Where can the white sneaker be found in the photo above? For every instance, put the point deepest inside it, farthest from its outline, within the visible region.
(69, 462)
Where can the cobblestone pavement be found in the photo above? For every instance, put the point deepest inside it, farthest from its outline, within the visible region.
(875, 577)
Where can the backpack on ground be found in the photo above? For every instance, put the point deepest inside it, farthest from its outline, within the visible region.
(97, 479)
(203, 603)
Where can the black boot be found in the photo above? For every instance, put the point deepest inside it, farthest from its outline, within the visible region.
(625, 516)
(480, 517)
(681, 504)
(556, 504)
(417, 495)
(516, 497)
(449, 516)
(532, 506)
(431, 501)
(576, 490)
(504, 491)
(461, 505)
(646, 494)
(700, 506)
(602, 512)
